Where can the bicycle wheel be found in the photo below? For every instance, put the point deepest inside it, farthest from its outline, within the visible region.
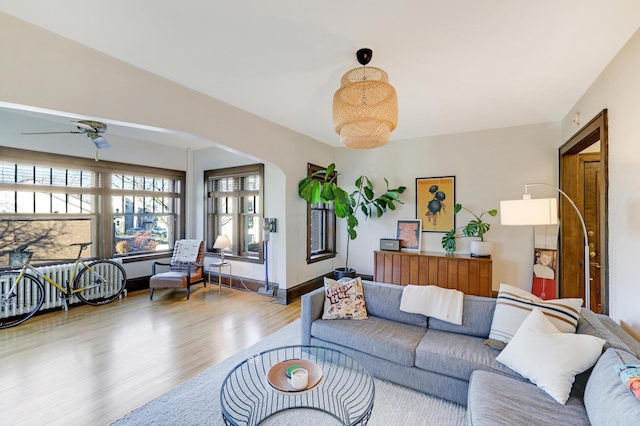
(100, 282)
(19, 303)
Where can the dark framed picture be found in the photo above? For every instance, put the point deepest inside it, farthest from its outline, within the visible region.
(409, 232)
(435, 202)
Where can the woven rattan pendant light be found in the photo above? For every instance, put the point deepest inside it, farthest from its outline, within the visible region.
(365, 107)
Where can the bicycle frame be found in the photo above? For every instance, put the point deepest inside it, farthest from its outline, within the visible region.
(68, 291)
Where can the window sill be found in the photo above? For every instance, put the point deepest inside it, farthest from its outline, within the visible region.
(320, 257)
(143, 257)
(236, 258)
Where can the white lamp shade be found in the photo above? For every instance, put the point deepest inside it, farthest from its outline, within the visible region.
(222, 242)
(540, 211)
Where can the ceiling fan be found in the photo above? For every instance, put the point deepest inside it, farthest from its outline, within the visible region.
(93, 130)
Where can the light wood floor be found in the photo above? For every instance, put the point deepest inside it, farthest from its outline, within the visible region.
(92, 365)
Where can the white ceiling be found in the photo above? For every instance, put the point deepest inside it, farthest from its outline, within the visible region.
(458, 65)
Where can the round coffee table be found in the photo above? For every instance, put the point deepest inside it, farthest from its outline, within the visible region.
(345, 391)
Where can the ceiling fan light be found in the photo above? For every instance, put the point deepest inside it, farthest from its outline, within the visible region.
(365, 108)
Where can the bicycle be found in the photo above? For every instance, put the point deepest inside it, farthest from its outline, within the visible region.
(22, 290)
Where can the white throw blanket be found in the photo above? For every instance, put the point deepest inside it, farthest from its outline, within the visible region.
(433, 301)
(186, 251)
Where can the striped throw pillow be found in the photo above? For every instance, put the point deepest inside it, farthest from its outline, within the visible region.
(514, 305)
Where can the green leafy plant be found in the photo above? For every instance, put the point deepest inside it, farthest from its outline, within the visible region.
(474, 228)
(321, 187)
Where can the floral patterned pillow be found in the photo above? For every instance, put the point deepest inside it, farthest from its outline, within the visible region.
(630, 376)
(344, 299)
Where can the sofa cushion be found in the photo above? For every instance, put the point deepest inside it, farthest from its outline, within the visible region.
(632, 345)
(457, 355)
(344, 299)
(514, 305)
(477, 314)
(383, 301)
(497, 400)
(607, 400)
(605, 328)
(390, 340)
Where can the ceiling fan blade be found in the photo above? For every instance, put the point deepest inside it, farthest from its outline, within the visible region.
(84, 126)
(47, 133)
(91, 126)
(101, 143)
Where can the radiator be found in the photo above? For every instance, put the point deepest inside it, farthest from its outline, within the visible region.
(60, 274)
(52, 296)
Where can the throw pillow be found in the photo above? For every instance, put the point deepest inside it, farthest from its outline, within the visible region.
(630, 376)
(344, 299)
(549, 358)
(514, 305)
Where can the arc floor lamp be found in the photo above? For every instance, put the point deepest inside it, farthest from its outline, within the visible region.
(544, 211)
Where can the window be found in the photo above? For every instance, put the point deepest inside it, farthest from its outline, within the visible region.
(144, 209)
(50, 201)
(321, 227)
(234, 209)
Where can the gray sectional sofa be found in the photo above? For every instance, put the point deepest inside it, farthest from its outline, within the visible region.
(452, 362)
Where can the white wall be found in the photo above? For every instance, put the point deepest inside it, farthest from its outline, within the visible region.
(100, 86)
(213, 158)
(489, 166)
(618, 90)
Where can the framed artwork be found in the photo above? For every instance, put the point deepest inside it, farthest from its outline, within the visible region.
(409, 232)
(435, 202)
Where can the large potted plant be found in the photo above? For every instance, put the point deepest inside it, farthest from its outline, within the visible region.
(321, 187)
(476, 227)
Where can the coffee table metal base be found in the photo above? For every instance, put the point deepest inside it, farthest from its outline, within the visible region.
(346, 391)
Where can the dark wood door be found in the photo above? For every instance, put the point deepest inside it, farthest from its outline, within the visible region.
(590, 187)
(584, 178)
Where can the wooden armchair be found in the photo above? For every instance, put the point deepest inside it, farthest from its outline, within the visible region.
(186, 268)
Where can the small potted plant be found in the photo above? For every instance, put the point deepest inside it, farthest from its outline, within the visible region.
(123, 247)
(475, 228)
(321, 187)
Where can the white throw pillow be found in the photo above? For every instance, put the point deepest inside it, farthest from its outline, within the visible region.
(549, 358)
(513, 305)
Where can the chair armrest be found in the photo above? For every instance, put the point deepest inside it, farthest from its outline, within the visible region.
(192, 267)
(153, 266)
(312, 306)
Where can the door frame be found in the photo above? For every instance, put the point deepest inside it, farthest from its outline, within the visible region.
(594, 131)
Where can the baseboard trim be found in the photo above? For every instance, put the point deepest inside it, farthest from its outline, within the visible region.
(286, 296)
(283, 296)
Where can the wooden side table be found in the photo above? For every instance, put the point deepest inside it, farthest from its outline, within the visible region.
(219, 266)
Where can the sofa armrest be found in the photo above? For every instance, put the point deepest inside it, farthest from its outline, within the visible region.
(312, 305)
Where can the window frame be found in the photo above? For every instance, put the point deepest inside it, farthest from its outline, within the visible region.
(330, 223)
(238, 213)
(103, 231)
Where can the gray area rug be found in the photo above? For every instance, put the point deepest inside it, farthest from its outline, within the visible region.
(197, 401)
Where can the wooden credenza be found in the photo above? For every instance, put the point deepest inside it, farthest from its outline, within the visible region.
(471, 275)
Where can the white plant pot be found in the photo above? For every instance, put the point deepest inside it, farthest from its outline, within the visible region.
(481, 248)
